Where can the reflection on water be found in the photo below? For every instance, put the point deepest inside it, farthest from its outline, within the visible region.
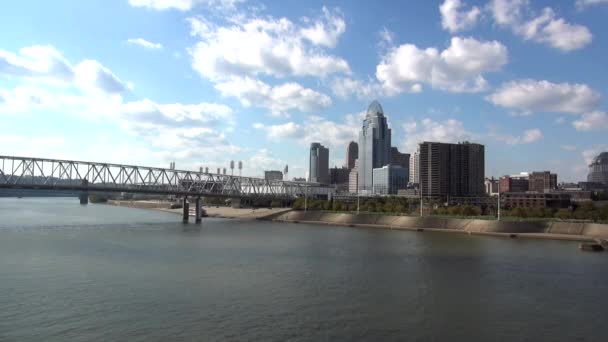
(96, 272)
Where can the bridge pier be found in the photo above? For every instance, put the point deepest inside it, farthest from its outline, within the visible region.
(235, 202)
(186, 210)
(198, 217)
(84, 195)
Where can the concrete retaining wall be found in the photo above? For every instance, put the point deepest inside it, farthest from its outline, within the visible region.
(464, 225)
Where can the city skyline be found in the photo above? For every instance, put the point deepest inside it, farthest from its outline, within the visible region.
(140, 91)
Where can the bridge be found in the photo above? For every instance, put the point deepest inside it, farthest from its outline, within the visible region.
(55, 174)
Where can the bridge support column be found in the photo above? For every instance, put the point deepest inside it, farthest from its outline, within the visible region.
(236, 202)
(84, 195)
(197, 219)
(186, 210)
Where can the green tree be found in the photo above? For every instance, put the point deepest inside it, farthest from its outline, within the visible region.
(455, 210)
(520, 212)
(564, 214)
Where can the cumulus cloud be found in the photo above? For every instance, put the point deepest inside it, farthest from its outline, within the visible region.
(593, 121)
(455, 18)
(266, 46)
(545, 96)
(546, 28)
(344, 87)
(182, 5)
(45, 62)
(458, 68)
(144, 43)
(325, 30)
(581, 4)
(448, 131)
(278, 99)
(527, 137)
(568, 148)
(333, 134)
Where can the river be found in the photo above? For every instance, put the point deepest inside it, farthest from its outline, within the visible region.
(103, 273)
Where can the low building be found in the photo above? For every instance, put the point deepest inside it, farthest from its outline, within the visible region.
(339, 177)
(549, 200)
(389, 179)
(299, 179)
(273, 175)
(491, 185)
(542, 181)
(409, 193)
(576, 195)
(514, 183)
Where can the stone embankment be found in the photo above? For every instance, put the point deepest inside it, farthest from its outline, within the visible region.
(542, 229)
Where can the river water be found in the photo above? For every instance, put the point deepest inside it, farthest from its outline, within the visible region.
(103, 273)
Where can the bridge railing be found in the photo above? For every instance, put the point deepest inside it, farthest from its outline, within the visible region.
(55, 174)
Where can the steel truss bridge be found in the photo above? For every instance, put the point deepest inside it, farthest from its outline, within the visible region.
(54, 174)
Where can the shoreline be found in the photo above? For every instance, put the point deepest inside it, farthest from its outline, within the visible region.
(562, 231)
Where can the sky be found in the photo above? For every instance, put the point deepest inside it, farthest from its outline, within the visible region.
(203, 82)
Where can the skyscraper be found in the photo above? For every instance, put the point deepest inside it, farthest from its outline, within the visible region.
(400, 159)
(318, 170)
(374, 145)
(352, 153)
(598, 169)
(415, 168)
(451, 169)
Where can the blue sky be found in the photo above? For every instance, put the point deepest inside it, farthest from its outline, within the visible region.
(203, 82)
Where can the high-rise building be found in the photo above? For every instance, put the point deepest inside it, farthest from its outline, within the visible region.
(389, 179)
(542, 181)
(339, 177)
(598, 169)
(415, 168)
(353, 178)
(273, 175)
(451, 169)
(400, 159)
(352, 153)
(318, 170)
(374, 145)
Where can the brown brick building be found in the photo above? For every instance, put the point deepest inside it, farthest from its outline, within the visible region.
(542, 181)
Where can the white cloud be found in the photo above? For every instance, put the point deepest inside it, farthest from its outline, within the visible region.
(277, 132)
(256, 46)
(278, 99)
(325, 30)
(593, 121)
(90, 75)
(448, 131)
(581, 4)
(546, 28)
(527, 137)
(569, 148)
(263, 160)
(144, 43)
(544, 96)
(344, 87)
(459, 68)
(334, 135)
(454, 18)
(46, 63)
(560, 120)
(182, 5)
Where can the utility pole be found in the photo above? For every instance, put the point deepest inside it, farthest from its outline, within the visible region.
(498, 215)
(357, 199)
(305, 199)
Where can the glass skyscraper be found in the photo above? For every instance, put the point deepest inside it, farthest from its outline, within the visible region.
(374, 146)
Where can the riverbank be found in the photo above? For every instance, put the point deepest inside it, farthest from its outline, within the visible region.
(212, 211)
(585, 232)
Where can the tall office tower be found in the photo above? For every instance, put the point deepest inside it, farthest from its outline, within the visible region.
(400, 159)
(451, 169)
(318, 167)
(374, 145)
(352, 153)
(598, 169)
(415, 168)
(541, 181)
